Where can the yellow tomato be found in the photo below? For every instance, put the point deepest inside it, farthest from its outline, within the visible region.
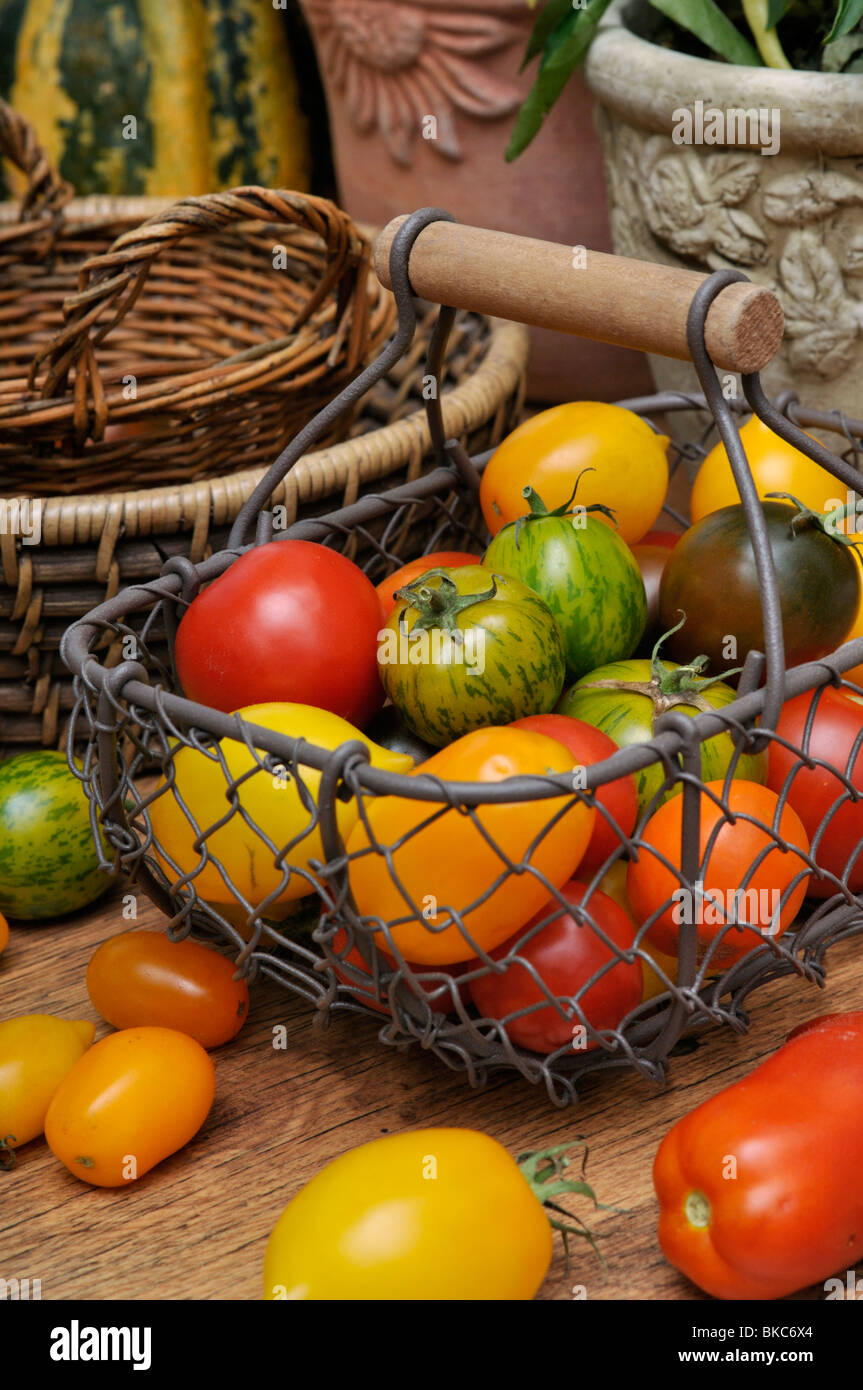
(549, 451)
(36, 1052)
(776, 467)
(613, 883)
(433, 1214)
(423, 870)
(131, 1101)
(274, 803)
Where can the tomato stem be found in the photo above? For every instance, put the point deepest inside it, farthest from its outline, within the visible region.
(822, 521)
(7, 1153)
(439, 608)
(545, 1172)
(540, 512)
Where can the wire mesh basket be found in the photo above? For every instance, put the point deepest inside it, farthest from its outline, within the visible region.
(474, 871)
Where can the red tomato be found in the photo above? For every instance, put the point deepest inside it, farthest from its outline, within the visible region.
(366, 993)
(789, 1211)
(439, 559)
(730, 848)
(288, 621)
(668, 539)
(143, 979)
(618, 799)
(565, 954)
(821, 800)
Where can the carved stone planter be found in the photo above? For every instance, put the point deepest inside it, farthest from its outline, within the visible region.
(792, 220)
(421, 97)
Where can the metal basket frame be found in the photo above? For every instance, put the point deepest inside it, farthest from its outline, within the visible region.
(124, 719)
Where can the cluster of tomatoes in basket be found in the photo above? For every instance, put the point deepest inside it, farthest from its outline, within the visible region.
(565, 640)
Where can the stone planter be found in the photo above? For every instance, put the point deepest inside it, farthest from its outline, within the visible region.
(792, 220)
(421, 99)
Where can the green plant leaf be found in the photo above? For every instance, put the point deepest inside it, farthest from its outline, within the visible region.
(848, 15)
(776, 10)
(564, 49)
(705, 20)
(549, 17)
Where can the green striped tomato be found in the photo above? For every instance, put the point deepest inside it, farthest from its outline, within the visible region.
(464, 648)
(623, 698)
(584, 572)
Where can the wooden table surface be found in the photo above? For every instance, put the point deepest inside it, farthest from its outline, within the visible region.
(196, 1227)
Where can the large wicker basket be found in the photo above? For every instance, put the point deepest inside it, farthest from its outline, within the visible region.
(207, 416)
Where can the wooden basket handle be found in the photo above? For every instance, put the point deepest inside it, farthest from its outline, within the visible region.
(46, 193)
(634, 304)
(110, 283)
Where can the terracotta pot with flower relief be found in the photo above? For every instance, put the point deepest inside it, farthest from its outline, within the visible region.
(422, 96)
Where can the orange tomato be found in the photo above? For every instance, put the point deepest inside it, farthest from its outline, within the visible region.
(439, 559)
(549, 451)
(444, 861)
(133, 1099)
(734, 847)
(142, 978)
(4, 932)
(776, 467)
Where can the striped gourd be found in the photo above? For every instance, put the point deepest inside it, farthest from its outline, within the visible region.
(210, 85)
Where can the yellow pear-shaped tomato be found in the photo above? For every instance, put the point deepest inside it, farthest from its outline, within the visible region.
(427, 1215)
(36, 1053)
(277, 809)
(446, 865)
(776, 467)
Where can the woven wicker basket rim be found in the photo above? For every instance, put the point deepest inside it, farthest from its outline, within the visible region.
(82, 519)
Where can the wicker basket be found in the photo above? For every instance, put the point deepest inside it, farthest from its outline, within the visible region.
(202, 434)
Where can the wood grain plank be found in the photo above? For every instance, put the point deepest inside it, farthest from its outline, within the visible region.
(196, 1227)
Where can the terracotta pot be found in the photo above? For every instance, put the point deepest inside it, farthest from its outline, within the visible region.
(791, 220)
(422, 99)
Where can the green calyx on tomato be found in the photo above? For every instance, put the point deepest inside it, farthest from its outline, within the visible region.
(625, 698)
(827, 522)
(545, 1173)
(439, 608)
(539, 509)
(670, 685)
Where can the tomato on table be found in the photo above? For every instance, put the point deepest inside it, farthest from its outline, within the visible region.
(617, 801)
(547, 452)
(565, 954)
(36, 1052)
(443, 866)
(131, 1101)
(431, 1214)
(415, 569)
(743, 873)
(4, 933)
(759, 1187)
(287, 621)
(142, 978)
(833, 820)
